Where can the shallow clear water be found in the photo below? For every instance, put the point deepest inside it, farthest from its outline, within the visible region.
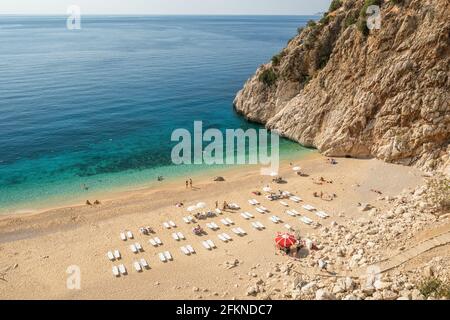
(97, 106)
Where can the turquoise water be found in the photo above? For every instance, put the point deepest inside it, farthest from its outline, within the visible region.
(96, 107)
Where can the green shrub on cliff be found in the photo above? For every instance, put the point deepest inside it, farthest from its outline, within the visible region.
(268, 77)
(335, 4)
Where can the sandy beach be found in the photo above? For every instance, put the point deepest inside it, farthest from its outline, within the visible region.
(37, 249)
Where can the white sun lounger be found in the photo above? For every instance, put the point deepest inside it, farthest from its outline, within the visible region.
(241, 231)
(273, 219)
(287, 226)
(137, 266)
(260, 210)
(209, 226)
(181, 236)
(236, 231)
(115, 271)
(185, 251)
(234, 206)
(191, 218)
(306, 220)
(168, 255)
(295, 212)
(172, 224)
(215, 225)
(144, 263)
(309, 207)
(122, 269)
(243, 215)
(221, 237)
(166, 225)
(138, 246)
(248, 214)
(133, 248)
(284, 204)
(158, 241)
(117, 254)
(289, 212)
(225, 222)
(186, 219)
(322, 214)
(260, 225)
(130, 235)
(153, 243)
(206, 245)
(251, 202)
(175, 236)
(189, 247)
(211, 244)
(218, 211)
(264, 208)
(226, 236)
(229, 220)
(123, 236)
(111, 256)
(295, 199)
(162, 257)
(256, 226)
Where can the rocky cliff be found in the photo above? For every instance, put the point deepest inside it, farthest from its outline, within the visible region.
(351, 91)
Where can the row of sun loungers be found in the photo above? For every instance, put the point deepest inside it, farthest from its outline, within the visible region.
(227, 221)
(253, 202)
(209, 244)
(213, 226)
(234, 206)
(275, 219)
(155, 242)
(126, 235)
(136, 248)
(169, 224)
(292, 212)
(140, 265)
(224, 237)
(306, 220)
(258, 225)
(114, 255)
(187, 250)
(295, 199)
(165, 256)
(239, 231)
(178, 236)
(119, 270)
(247, 215)
(188, 219)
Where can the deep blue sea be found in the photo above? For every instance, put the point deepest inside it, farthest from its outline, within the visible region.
(96, 107)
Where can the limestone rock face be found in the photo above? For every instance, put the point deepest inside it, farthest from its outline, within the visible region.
(383, 95)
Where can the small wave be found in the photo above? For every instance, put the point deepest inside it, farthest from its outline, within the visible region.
(11, 26)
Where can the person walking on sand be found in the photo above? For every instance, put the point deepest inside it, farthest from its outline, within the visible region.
(187, 184)
(190, 183)
(217, 204)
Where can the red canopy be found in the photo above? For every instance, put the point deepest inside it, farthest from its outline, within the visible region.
(285, 240)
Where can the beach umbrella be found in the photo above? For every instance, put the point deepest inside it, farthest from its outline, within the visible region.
(296, 168)
(201, 205)
(192, 208)
(285, 240)
(267, 189)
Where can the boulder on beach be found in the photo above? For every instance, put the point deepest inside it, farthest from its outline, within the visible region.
(219, 179)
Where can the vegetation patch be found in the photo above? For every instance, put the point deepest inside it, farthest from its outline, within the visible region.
(434, 287)
(268, 77)
(335, 4)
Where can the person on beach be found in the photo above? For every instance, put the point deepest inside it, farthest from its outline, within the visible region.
(217, 204)
(225, 205)
(187, 184)
(190, 183)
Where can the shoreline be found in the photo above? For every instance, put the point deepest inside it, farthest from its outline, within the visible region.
(203, 176)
